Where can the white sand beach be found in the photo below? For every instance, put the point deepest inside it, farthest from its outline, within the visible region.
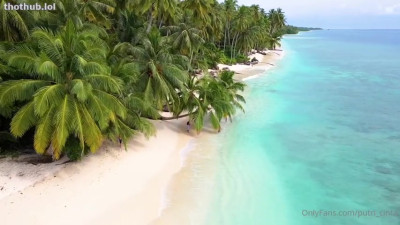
(113, 186)
(265, 62)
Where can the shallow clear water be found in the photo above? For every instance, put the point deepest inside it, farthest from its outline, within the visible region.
(321, 132)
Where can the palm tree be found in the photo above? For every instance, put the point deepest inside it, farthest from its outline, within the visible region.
(278, 20)
(185, 39)
(213, 30)
(281, 19)
(133, 98)
(275, 41)
(240, 26)
(215, 103)
(210, 97)
(12, 24)
(233, 88)
(160, 73)
(71, 93)
(163, 9)
(263, 35)
(126, 26)
(199, 10)
(230, 8)
(79, 12)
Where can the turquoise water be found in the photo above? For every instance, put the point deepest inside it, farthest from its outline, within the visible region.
(321, 132)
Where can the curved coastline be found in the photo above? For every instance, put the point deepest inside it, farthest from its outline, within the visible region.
(134, 185)
(183, 205)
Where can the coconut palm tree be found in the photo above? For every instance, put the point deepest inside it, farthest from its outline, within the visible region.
(71, 93)
(185, 39)
(212, 97)
(229, 12)
(233, 88)
(79, 12)
(216, 103)
(275, 41)
(131, 96)
(162, 9)
(278, 20)
(199, 10)
(160, 73)
(240, 26)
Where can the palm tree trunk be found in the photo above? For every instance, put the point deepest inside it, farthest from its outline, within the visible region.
(150, 22)
(235, 44)
(225, 38)
(160, 21)
(229, 34)
(174, 117)
(190, 60)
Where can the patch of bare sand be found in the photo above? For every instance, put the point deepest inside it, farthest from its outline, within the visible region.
(112, 186)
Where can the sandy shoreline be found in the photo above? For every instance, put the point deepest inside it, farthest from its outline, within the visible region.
(187, 199)
(112, 186)
(266, 62)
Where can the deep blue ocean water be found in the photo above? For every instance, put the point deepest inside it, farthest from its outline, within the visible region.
(321, 133)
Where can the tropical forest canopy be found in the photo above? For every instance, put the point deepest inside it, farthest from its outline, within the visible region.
(92, 70)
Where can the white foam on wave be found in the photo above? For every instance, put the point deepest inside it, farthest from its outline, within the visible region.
(251, 77)
(186, 150)
(165, 199)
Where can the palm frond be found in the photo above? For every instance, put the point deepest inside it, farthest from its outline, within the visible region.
(47, 97)
(105, 83)
(63, 126)
(111, 102)
(92, 133)
(23, 120)
(44, 132)
(17, 90)
(81, 89)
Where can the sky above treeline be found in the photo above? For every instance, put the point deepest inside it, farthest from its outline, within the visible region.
(337, 14)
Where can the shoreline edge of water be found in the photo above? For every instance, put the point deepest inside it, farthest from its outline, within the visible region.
(112, 186)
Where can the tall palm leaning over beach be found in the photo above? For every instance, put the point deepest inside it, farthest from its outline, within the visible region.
(233, 88)
(70, 94)
(213, 97)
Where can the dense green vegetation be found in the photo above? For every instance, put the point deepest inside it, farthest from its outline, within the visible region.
(100, 69)
(294, 30)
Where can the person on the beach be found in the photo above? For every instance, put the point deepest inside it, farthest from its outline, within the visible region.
(120, 142)
(188, 126)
